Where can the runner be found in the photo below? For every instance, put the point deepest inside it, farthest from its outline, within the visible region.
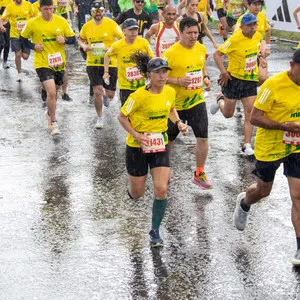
(129, 77)
(95, 37)
(187, 60)
(239, 81)
(4, 36)
(49, 33)
(17, 14)
(166, 33)
(276, 112)
(191, 11)
(143, 18)
(145, 117)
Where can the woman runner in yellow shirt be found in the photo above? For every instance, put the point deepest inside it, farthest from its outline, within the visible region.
(144, 116)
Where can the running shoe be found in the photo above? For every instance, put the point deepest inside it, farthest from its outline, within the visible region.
(99, 124)
(247, 149)
(91, 99)
(296, 259)
(155, 239)
(66, 97)
(5, 65)
(239, 215)
(44, 95)
(202, 181)
(106, 100)
(215, 106)
(54, 129)
(19, 77)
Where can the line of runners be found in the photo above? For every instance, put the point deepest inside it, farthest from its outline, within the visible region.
(160, 95)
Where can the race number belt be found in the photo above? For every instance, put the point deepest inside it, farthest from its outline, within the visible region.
(156, 143)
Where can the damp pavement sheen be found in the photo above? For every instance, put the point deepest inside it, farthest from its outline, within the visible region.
(69, 232)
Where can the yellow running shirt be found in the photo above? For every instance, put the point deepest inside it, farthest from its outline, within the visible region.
(262, 24)
(129, 77)
(4, 3)
(219, 4)
(100, 37)
(149, 112)
(36, 8)
(235, 8)
(202, 7)
(43, 32)
(17, 15)
(62, 7)
(187, 62)
(242, 55)
(279, 99)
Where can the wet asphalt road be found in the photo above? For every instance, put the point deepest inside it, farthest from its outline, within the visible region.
(68, 230)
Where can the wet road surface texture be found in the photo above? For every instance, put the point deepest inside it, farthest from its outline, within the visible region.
(69, 231)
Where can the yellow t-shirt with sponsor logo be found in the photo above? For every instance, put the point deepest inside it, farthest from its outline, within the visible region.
(17, 15)
(100, 37)
(219, 4)
(279, 99)
(262, 24)
(129, 77)
(235, 8)
(242, 55)
(187, 62)
(149, 112)
(62, 6)
(202, 7)
(45, 33)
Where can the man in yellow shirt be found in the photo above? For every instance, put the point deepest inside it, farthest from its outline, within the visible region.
(276, 112)
(49, 33)
(17, 14)
(95, 37)
(129, 76)
(239, 81)
(188, 75)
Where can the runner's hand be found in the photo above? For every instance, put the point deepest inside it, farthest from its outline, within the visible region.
(223, 80)
(142, 139)
(60, 39)
(183, 128)
(38, 47)
(184, 81)
(206, 81)
(291, 126)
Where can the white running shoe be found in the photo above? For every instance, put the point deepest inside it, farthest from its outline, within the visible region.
(247, 149)
(19, 77)
(99, 124)
(215, 106)
(5, 65)
(54, 129)
(239, 215)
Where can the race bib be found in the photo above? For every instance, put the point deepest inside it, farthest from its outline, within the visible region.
(196, 78)
(166, 44)
(55, 60)
(156, 143)
(20, 25)
(98, 49)
(250, 64)
(236, 13)
(291, 138)
(133, 73)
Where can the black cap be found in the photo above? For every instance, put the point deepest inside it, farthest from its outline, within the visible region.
(98, 5)
(155, 64)
(296, 56)
(130, 23)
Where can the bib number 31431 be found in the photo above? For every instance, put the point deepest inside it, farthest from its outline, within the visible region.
(156, 143)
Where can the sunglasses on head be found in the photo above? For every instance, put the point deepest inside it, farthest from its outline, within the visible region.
(139, 1)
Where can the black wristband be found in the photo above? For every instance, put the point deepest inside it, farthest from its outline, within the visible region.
(176, 122)
(206, 76)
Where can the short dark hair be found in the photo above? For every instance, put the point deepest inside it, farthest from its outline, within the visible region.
(187, 22)
(46, 3)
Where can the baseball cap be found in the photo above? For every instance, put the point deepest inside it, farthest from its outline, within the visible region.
(296, 57)
(130, 23)
(155, 64)
(97, 5)
(248, 19)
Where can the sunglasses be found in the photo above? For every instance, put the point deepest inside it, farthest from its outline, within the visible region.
(97, 10)
(139, 1)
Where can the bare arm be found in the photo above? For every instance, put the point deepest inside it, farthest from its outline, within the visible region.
(224, 74)
(295, 13)
(258, 118)
(152, 31)
(82, 43)
(209, 35)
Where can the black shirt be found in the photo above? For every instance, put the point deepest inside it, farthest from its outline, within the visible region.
(144, 20)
